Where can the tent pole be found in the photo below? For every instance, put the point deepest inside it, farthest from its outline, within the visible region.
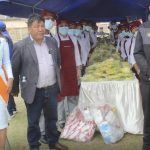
(34, 6)
(26, 5)
(38, 3)
(21, 4)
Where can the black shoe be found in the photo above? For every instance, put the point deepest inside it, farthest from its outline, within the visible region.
(58, 146)
(35, 148)
(43, 139)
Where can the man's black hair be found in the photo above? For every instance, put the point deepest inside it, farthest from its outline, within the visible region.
(34, 17)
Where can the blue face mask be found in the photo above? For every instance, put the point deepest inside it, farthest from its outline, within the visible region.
(71, 31)
(63, 30)
(78, 32)
(122, 34)
(49, 24)
(129, 34)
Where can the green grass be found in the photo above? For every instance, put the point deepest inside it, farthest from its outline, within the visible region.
(18, 141)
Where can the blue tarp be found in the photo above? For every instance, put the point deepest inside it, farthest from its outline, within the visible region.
(96, 10)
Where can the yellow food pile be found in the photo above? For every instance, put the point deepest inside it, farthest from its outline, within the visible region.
(111, 68)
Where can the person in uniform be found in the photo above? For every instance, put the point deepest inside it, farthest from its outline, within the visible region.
(92, 35)
(86, 36)
(142, 58)
(81, 44)
(129, 46)
(72, 27)
(5, 83)
(122, 39)
(121, 35)
(113, 26)
(70, 70)
(50, 20)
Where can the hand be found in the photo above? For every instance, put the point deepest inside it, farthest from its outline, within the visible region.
(9, 84)
(78, 74)
(15, 94)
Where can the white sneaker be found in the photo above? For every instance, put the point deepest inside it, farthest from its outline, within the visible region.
(15, 111)
(12, 116)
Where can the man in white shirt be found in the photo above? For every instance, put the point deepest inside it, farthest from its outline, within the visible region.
(86, 36)
(130, 44)
(82, 44)
(50, 19)
(36, 65)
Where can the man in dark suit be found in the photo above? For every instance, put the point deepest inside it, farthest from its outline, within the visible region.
(36, 65)
(142, 57)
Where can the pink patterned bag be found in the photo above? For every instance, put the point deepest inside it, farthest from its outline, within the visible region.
(77, 129)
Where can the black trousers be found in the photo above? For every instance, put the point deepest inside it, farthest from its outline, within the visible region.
(145, 92)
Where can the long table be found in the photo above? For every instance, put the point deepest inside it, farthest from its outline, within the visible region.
(125, 95)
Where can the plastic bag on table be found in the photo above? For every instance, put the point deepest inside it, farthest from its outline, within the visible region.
(77, 129)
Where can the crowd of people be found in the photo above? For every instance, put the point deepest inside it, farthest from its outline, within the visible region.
(123, 36)
(48, 68)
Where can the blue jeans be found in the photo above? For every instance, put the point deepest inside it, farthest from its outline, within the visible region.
(45, 99)
(11, 105)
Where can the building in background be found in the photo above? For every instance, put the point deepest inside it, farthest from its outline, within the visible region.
(17, 27)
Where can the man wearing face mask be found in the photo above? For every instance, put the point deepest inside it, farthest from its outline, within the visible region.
(122, 41)
(50, 18)
(93, 37)
(86, 36)
(70, 71)
(86, 32)
(130, 44)
(71, 30)
(82, 44)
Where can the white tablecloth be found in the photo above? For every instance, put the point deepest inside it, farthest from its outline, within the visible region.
(125, 95)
